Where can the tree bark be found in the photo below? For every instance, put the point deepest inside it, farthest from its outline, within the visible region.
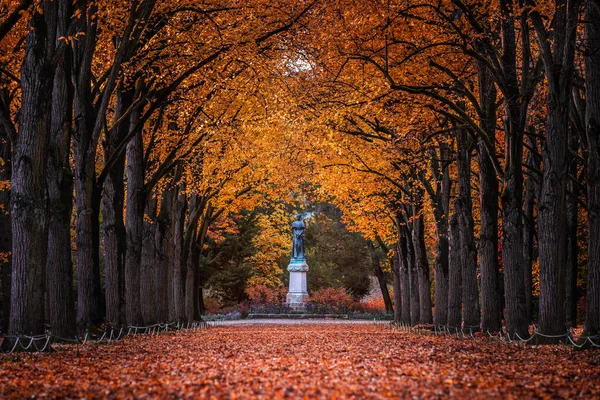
(572, 246)
(558, 56)
(418, 240)
(163, 240)
(179, 209)
(464, 211)
(148, 265)
(491, 314)
(404, 277)
(85, 164)
(397, 286)
(529, 221)
(134, 224)
(113, 197)
(592, 124)
(413, 279)
(59, 267)
(515, 109)
(28, 180)
(441, 207)
(454, 276)
(191, 281)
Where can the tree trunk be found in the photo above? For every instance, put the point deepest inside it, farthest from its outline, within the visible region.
(59, 267)
(592, 124)
(515, 106)
(113, 197)
(191, 255)
(191, 281)
(397, 287)
(468, 259)
(413, 279)
(454, 277)
(558, 57)
(381, 279)
(85, 164)
(148, 265)
(441, 209)
(418, 240)
(163, 240)
(491, 314)
(404, 277)
(134, 225)
(179, 210)
(531, 188)
(572, 246)
(28, 180)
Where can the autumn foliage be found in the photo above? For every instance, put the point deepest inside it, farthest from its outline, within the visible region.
(302, 361)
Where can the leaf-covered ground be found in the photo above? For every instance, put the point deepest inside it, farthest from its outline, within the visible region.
(302, 361)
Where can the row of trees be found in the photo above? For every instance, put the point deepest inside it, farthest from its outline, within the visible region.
(479, 120)
(136, 109)
(459, 138)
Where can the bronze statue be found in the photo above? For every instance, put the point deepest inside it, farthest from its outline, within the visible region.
(298, 240)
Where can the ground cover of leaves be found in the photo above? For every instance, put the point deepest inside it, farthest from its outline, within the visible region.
(302, 361)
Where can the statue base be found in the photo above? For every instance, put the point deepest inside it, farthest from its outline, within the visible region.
(297, 296)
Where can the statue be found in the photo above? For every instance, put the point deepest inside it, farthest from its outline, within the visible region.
(298, 240)
(297, 295)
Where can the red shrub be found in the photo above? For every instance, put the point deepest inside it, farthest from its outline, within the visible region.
(375, 306)
(262, 294)
(334, 297)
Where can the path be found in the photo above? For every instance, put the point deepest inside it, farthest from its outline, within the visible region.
(316, 360)
(316, 321)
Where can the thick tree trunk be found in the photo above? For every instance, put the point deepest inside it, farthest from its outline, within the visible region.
(134, 226)
(529, 220)
(553, 224)
(113, 197)
(468, 253)
(148, 265)
(191, 281)
(28, 180)
(441, 209)
(515, 108)
(491, 314)
(59, 267)
(397, 286)
(454, 276)
(572, 246)
(404, 277)
(512, 245)
(558, 60)
(179, 209)
(85, 174)
(415, 308)
(190, 254)
(418, 240)
(592, 124)
(163, 241)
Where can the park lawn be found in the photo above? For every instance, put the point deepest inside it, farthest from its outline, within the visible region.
(302, 361)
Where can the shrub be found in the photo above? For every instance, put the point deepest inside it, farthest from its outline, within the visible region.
(374, 306)
(264, 295)
(332, 298)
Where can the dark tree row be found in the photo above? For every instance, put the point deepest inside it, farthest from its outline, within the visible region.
(87, 90)
(532, 76)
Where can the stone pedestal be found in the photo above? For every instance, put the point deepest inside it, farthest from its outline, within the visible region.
(297, 296)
